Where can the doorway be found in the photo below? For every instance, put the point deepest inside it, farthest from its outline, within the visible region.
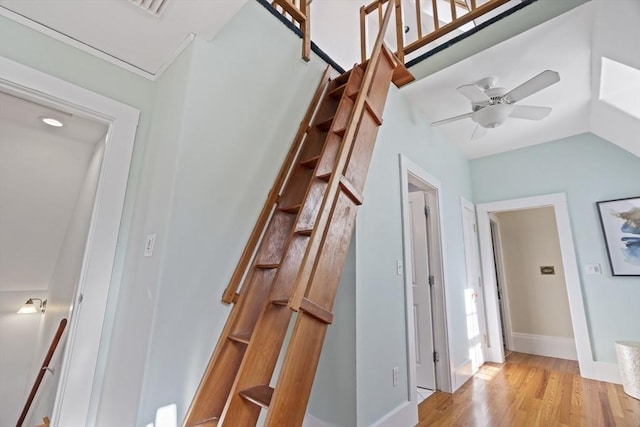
(532, 292)
(495, 350)
(73, 395)
(425, 300)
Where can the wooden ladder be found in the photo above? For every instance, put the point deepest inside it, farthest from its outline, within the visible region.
(295, 254)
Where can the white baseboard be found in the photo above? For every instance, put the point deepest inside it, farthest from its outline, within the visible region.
(543, 345)
(602, 371)
(406, 414)
(462, 373)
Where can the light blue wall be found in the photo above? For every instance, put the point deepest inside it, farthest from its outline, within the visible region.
(242, 105)
(588, 169)
(380, 306)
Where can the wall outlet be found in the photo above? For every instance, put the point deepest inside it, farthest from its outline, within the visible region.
(396, 376)
(592, 269)
(399, 267)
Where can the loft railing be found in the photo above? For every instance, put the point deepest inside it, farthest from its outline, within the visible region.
(297, 11)
(431, 20)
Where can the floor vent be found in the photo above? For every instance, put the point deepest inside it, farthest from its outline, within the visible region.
(154, 7)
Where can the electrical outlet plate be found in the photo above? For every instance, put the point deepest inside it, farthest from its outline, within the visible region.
(399, 267)
(592, 269)
(149, 244)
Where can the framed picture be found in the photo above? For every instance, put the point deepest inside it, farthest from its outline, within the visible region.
(620, 221)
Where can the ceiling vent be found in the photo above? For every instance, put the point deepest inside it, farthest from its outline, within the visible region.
(154, 7)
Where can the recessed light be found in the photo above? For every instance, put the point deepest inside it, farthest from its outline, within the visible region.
(51, 122)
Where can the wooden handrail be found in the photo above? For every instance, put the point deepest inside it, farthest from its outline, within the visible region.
(299, 14)
(43, 369)
(243, 265)
(473, 12)
(307, 268)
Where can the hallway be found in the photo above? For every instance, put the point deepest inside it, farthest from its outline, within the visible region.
(529, 391)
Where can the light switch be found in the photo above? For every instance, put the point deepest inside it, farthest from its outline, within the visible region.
(149, 244)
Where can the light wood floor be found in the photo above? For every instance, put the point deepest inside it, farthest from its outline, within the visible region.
(531, 391)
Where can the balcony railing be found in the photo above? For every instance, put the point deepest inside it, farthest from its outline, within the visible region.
(298, 12)
(429, 20)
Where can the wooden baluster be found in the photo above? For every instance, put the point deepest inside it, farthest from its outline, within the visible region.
(363, 34)
(419, 19)
(473, 5)
(436, 21)
(454, 14)
(400, 30)
(305, 26)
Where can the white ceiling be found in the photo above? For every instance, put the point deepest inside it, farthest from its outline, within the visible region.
(41, 172)
(123, 30)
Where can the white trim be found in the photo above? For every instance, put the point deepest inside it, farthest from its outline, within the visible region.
(405, 414)
(61, 37)
(407, 167)
(544, 345)
(588, 367)
(86, 322)
(462, 373)
(502, 275)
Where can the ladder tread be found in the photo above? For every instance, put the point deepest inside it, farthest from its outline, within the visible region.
(293, 209)
(325, 125)
(260, 395)
(310, 162)
(267, 266)
(304, 231)
(241, 337)
(316, 311)
(209, 422)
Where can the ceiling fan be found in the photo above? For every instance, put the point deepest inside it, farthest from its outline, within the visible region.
(491, 105)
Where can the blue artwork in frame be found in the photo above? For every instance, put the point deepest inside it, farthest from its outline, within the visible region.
(620, 221)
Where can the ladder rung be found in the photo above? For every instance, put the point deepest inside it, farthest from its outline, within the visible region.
(325, 125)
(337, 92)
(325, 176)
(304, 231)
(374, 114)
(310, 163)
(260, 395)
(209, 422)
(267, 266)
(291, 209)
(350, 190)
(314, 310)
(241, 337)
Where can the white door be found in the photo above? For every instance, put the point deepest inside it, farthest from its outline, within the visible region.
(474, 298)
(422, 309)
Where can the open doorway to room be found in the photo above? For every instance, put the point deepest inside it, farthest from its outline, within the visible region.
(50, 161)
(554, 209)
(427, 335)
(87, 263)
(532, 291)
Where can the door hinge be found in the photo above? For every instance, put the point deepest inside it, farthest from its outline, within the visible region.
(427, 211)
(432, 280)
(80, 298)
(436, 357)
(475, 228)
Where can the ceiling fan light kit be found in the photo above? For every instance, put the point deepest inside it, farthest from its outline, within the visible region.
(491, 106)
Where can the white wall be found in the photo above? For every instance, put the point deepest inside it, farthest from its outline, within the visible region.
(62, 286)
(538, 304)
(380, 304)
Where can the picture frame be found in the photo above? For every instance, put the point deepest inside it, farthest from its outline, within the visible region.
(620, 221)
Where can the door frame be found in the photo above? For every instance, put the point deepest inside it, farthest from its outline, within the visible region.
(444, 370)
(482, 322)
(84, 330)
(589, 368)
(499, 267)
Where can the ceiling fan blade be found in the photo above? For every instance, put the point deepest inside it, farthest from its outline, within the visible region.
(531, 86)
(479, 132)
(529, 112)
(474, 94)
(451, 119)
